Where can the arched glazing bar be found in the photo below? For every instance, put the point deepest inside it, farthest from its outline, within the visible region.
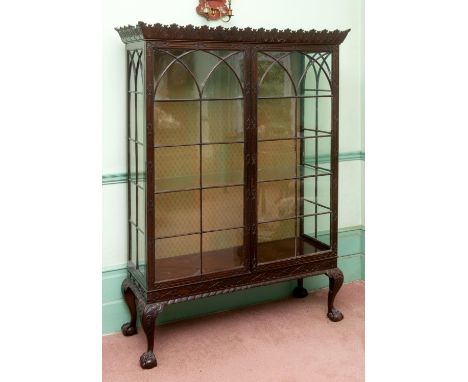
(282, 66)
(222, 60)
(321, 65)
(179, 60)
(200, 86)
(131, 70)
(271, 65)
(312, 62)
(139, 72)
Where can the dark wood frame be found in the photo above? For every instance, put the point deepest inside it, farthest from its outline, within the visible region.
(149, 297)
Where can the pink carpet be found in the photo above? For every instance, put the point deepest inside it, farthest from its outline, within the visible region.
(284, 341)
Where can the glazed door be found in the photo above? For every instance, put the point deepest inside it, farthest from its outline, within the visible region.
(199, 178)
(294, 147)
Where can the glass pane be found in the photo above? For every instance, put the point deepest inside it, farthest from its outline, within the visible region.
(318, 227)
(141, 165)
(177, 168)
(174, 76)
(274, 74)
(177, 257)
(177, 213)
(311, 67)
(223, 164)
(276, 200)
(318, 152)
(142, 266)
(277, 160)
(141, 129)
(141, 209)
(222, 83)
(210, 71)
(222, 250)
(132, 161)
(141, 251)
(276, 118)
(294, 73)
(176, 123)
(276, 241)
(305, 246)
(316, 193)
(223, 208)
(131, 114)
(325, 74)
(235, 61)
(132, 70)
(299, 66)
(222, 121)
(132, 206)
(139, 71)
(317, 114)
(307, 125)
(133, 244)
(317, 68)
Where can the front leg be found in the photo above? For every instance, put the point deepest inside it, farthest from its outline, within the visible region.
(335, 282)
(148, 318)
(129, 328)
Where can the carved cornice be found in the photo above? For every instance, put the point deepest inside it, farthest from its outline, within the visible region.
(130, 33)
(143, 31)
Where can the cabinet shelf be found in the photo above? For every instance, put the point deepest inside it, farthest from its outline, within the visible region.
(196, 99)
(172, 268)
(301, 136)
(274, 174)
(198, 144)
(197, 233)
(186, 183)
(294, 217)
(277, 250)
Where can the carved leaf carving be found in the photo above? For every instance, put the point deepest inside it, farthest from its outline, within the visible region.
(143, 31)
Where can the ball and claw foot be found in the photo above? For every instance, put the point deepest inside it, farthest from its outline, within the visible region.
(128, 329)
(300, 292)
(148, 360)
(335, 315)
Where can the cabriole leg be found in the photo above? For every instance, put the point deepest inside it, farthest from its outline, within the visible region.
(129, 328)
(335, 282)
(300, 291)
(148, 318)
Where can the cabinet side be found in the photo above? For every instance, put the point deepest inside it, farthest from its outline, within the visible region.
(136, 161)
(150, 213)
(335, 149)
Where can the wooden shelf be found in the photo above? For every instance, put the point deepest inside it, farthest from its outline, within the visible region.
(176, 267)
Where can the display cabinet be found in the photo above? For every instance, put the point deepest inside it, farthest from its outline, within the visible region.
(232, 138)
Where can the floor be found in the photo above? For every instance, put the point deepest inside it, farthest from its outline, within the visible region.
(283, 341)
